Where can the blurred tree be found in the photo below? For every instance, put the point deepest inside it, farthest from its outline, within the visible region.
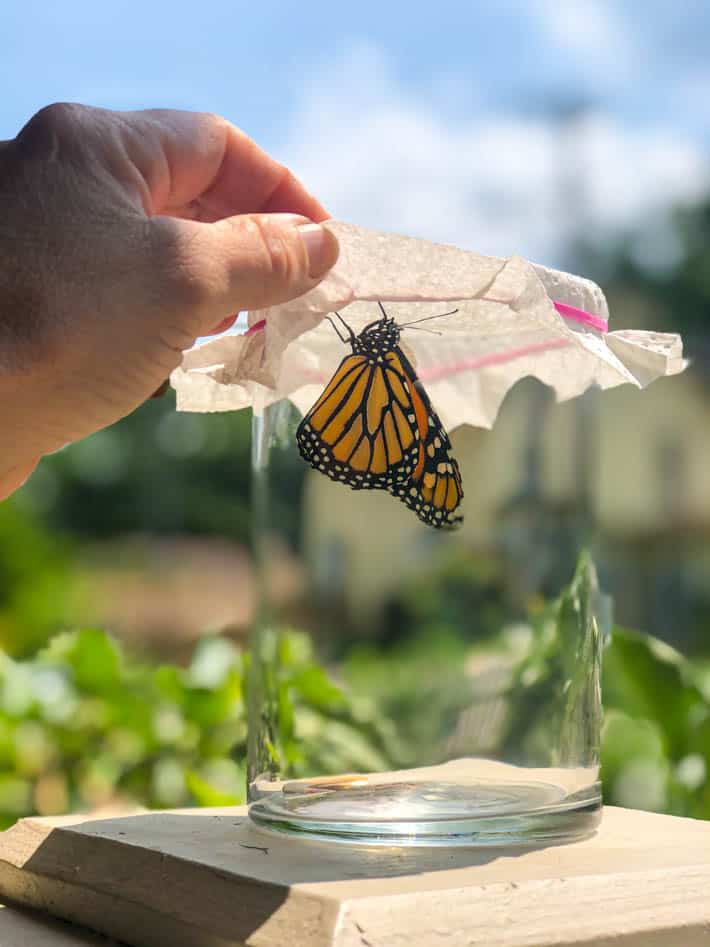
(155, 471)
(36, 583)
(663, 268)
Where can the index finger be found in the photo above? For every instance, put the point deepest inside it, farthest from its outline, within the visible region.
(201, 166)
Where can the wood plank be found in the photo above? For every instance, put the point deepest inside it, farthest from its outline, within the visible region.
(209, 878)
(20, 927)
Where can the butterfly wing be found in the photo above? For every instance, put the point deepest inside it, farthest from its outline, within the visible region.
(358, 431)
(373, 427)
(435, 489)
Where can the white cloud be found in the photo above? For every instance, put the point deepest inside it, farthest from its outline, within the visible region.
(591, 35)
(689, 94)
(379, 156)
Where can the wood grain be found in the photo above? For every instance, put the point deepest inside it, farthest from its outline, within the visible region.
(207, 878)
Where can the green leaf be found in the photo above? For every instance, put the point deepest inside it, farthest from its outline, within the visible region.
(314, 687)
(646, 678)
(92, 656)
(635, 769)
(554, 702)
(626, 737)
(206, 795)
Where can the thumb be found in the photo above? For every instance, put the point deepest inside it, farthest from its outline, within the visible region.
(247, 262)
(14, 478)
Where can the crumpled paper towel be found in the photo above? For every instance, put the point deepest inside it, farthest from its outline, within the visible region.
(506, 327)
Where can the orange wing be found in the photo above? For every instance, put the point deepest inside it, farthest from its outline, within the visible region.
(436, 489)
(362, 429)
(374, 428)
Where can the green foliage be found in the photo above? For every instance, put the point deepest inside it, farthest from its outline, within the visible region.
(525, 692)
(106, 485)
(461, 595)
(554, 694)
(655, 749)
(309, 723)
(36, 583)
(83, 725)
(656, 738)
(421, 688)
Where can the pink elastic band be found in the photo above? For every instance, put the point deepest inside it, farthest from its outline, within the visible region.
(257, 327)
(566, 311)
(579, 315)
(495, 358)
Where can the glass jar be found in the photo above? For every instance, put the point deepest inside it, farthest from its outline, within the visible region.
(413, 685)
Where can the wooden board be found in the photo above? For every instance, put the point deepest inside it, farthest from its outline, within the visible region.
(207, 878)
(20, 927)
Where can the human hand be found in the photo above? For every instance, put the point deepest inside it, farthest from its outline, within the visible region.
(123, 237)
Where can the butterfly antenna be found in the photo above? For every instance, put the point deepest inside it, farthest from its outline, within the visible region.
(351, 334)
(337, 330)
(382, 309)
(441, 315)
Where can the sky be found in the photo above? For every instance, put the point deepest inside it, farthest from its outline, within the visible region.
(513, 126)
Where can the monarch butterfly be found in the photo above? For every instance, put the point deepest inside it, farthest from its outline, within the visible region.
(373, 427)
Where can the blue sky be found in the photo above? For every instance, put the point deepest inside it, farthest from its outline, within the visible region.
(431, 118)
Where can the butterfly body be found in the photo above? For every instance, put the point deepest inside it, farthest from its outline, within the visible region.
(373, 427)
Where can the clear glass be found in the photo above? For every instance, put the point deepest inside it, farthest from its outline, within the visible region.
(466, 662)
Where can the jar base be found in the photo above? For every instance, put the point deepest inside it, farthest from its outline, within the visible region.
(431, 813)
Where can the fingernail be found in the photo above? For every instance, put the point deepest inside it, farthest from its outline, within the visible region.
(321, 247)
